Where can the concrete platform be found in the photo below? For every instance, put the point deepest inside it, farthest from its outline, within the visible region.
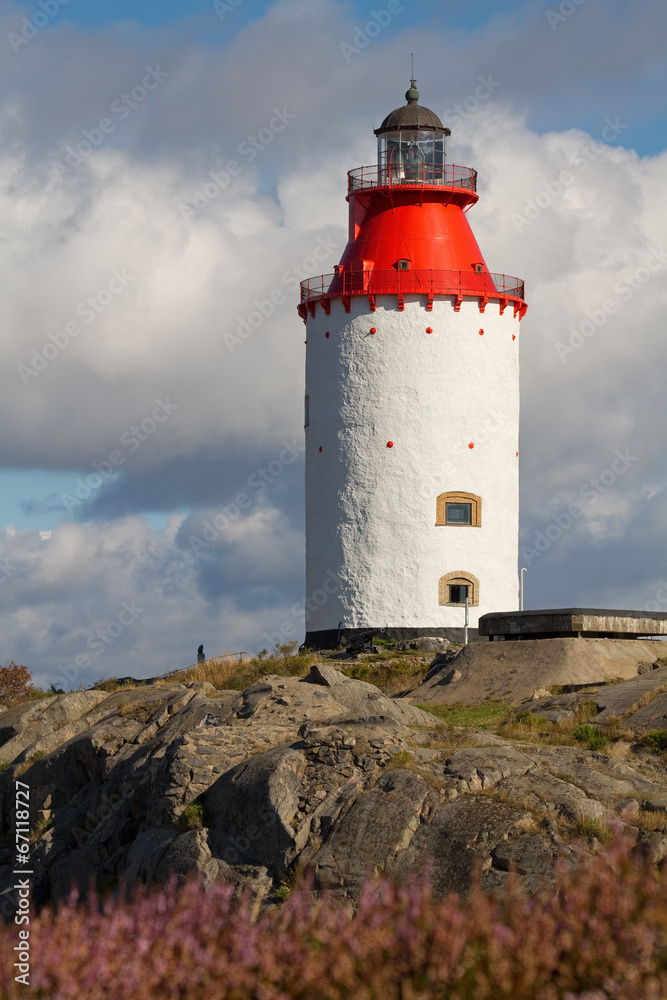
(577, 623)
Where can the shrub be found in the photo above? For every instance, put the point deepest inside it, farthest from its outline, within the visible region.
(15, 684)
(590, 736)
(599, 933)
(656, 739)
(283, 891)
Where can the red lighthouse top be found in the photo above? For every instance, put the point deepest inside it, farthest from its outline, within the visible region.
(408, 232)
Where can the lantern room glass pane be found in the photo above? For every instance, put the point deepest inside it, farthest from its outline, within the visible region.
(412, 155)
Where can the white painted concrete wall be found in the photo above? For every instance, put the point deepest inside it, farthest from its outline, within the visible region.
(370, 509)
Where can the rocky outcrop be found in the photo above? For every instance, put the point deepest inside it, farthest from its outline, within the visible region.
(52, 719)
(514, 670)
(640, 703)
(325, 774)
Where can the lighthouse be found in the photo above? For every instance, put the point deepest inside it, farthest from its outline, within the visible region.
(411, 404)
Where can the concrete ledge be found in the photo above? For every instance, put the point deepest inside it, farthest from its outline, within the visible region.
(576, 623)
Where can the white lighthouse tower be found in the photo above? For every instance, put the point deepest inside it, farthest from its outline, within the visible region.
(412, 404)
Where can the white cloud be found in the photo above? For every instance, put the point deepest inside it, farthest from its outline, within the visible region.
(120, 598)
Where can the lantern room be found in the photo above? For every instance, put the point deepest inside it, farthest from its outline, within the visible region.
(411, 144)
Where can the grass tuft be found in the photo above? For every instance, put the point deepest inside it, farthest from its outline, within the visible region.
(650, 819)
(587, 826)
(193, 817)
(400, 759)
(488, 714)
(533, 728)
(40, 827)
(647, 698)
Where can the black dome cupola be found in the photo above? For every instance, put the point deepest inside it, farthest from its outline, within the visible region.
(411, 143)
(412, 116)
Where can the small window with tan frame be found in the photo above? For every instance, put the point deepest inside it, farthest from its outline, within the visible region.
(458, 509)
(453, 588)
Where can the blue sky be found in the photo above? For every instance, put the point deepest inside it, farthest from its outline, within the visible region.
(193, 276)
(167, 12)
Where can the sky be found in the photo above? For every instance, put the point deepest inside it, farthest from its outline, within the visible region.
(167, 169)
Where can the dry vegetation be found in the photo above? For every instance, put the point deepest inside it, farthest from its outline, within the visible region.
(649, 819)
(140, 712)
(390, 670)
(230, 673)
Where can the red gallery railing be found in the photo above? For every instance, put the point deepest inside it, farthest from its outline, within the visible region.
(424, 282)
(412, 175)
(484, 286)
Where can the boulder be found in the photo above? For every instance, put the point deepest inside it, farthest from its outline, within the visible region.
(366, 699)
(254, 809)
(430, 644)
(322, 673)
(459, 837)
(368, 837)
(187, 856)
